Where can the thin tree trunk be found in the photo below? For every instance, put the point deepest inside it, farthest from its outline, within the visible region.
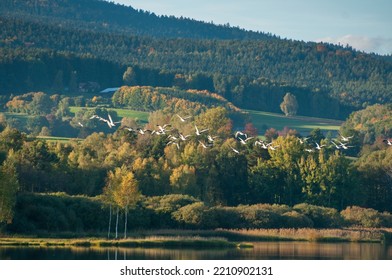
(110, 220)
(117, 222)
(126, 222)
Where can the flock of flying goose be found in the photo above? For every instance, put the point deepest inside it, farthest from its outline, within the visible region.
(240, 136)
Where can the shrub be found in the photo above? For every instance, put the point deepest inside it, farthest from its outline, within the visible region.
(259, 216)
(293, 219)
(322, 217)
(195, 215)
(365, 217)
(164, 206)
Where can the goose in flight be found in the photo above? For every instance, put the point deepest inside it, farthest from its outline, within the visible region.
(309, 150)
(241, 134)
(173, 143)
(211, 138)
(143, 131)
(262, 144)
(259, 142)
(130, 129)
(162, 129)
(110, 122)
(173, 138)
(344, 146)
(318, 147)
(346, 138)
(273, 148)
(183, 119)
(183, 137)
(388, 141)
(234, 150)
(203, 145)
(199, 132)
(336, 145)
(303, 140)
(243, 141)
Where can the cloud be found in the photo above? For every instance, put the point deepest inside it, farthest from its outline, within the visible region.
(379, 45)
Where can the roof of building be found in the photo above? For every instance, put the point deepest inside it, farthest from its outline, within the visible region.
(109, 90)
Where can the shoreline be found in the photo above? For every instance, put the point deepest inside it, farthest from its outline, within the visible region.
(220, 238)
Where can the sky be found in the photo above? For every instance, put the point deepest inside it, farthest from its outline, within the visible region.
(365, 25)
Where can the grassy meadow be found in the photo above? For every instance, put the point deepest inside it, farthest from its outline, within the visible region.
(121, 112)
(265, 120)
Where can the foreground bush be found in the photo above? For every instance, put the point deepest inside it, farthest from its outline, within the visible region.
(322, 217)
(366, 217)
(78, 215)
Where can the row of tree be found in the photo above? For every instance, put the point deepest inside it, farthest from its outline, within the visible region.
(215, 174)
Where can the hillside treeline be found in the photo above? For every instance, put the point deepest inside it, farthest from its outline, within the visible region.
(103, 16)
(249, 73)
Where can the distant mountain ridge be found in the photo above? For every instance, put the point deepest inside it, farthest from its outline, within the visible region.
(252, 70)
(108, 16)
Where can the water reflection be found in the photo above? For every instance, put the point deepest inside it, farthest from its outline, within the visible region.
(261, 250)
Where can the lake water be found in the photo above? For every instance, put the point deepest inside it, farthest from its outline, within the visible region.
(260, 251)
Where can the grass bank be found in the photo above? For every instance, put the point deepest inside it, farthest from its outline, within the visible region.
(220, 238)
(150, 242)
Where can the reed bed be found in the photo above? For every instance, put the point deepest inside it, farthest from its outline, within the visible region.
(220, 238)
(314, 235)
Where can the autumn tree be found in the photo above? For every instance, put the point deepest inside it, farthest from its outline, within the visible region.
(183, 180)
(122, 191)
(9, 187)
(289, 106)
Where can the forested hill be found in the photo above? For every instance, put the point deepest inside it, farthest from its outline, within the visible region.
(45, 43)
(104, 16)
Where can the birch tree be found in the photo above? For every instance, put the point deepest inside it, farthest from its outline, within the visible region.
(122, 192)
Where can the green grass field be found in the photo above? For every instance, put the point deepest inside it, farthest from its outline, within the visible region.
(122, 113)
(57, 138)
(265, 120)
(22, 118)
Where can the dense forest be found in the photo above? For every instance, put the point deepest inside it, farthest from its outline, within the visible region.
(198, 163)
(215, 172)
(109, 17)
(252, 71)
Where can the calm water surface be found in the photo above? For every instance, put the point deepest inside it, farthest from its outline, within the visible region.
(261, 251)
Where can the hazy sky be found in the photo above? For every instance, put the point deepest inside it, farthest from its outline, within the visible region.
(364, 24)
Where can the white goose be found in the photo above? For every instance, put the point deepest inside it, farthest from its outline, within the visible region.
(243, 141)
(203, 145)
(199, 132)
(336, 145)
(238, 133)
(345, 139)
(388, 141)
(234, 150)
(183, 137)
(183, 119)
(318, 147)
(344, 146)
